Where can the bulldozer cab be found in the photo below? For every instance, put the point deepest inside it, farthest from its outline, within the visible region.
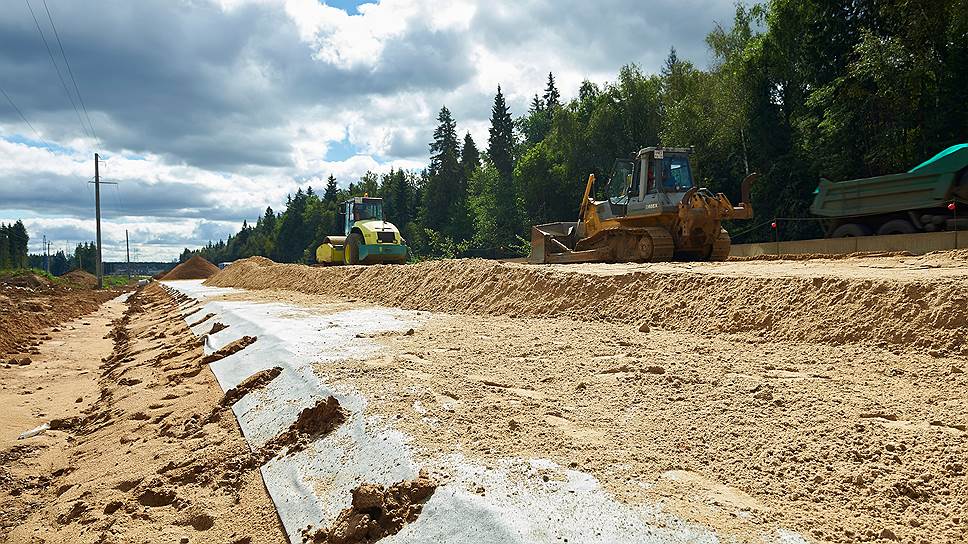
(648, 179)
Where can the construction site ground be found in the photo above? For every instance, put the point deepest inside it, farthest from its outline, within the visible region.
(818, 400)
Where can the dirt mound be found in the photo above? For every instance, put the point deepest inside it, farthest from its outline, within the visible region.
(26, 312)
(230, 349)
(196, 268)
(81, 278)
(837, 302)
(256, 381)
(25, 280)
(313, 422)
(377, 512)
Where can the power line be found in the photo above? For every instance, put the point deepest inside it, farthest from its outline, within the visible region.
(56, 68)
(71, 73)
(21, 114)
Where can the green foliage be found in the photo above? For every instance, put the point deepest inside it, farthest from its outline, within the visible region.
(13, 246)
(797, 89)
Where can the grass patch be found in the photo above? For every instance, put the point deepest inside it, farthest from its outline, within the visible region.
(17, 272)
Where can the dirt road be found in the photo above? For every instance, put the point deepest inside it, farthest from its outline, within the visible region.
(779, 401)
(138, 450)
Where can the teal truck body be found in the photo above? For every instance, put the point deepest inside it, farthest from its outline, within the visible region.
(915, 201)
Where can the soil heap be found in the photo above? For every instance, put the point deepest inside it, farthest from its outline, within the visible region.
(82, 278)
(904, 301)
(196, 268)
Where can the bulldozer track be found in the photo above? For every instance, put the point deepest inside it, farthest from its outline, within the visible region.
(720, 250)
(624, 242)
(663, 246)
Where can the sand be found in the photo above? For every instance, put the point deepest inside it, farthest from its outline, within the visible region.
(900, 301)
(30, 305)
(141, 450)
(824, 396)
(196, 268)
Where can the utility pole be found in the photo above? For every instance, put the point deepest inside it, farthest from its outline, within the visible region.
(99, 265)
(127, 251)
(46, 255)
(97, 213)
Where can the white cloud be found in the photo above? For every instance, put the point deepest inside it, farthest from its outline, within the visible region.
(215, 109)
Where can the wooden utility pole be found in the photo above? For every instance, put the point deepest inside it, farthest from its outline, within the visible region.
(97, 214)
(127, 251)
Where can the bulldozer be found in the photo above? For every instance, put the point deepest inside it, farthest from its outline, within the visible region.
(367, 237)
(654, 212)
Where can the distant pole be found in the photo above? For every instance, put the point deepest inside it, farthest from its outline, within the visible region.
(97, 214)
(46, 256)
(127, 251)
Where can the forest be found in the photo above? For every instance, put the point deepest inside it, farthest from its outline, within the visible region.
(13, 246)
(796, 90)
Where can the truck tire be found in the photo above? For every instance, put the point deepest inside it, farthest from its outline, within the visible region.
(351, 252)
(896, 226)
(851, 230)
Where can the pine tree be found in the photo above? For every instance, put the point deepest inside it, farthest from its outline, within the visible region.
(4, 247)
(500, 151)
(500, 143)
(470, 158)
(332, 191)
(552, 98)
(444, 178)
(18, 244)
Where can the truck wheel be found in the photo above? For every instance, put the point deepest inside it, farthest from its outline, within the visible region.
(850, 230)
(896, 226)
(351, 253)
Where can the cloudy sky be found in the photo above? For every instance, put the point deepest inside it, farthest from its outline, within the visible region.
(206, 111)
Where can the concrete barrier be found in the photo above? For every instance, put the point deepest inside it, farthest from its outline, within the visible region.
(917, 244)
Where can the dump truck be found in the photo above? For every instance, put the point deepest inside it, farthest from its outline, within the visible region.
(367, 237)
(654, 212)
(926, 198)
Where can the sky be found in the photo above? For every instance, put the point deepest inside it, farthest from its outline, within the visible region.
(205, 112)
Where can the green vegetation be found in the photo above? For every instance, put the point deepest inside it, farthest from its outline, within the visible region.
(16, 272)
(797, 89)
(13, 246)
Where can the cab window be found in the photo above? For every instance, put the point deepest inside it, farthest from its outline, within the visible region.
(367, 210)
(676, 174)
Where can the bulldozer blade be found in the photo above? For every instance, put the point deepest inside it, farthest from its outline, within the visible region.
(555, 242)
(588, 256)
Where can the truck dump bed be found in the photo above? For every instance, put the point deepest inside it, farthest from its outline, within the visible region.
(929, 185)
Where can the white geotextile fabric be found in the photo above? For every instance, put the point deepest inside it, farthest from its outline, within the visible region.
(311, 487)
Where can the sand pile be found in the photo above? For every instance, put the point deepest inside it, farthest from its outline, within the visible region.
(847, 301)
(27, 313)
(81, 278)
(196, 268)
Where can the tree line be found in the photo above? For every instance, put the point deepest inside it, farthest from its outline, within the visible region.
(84, 257)
(13, 246)
(796, 90)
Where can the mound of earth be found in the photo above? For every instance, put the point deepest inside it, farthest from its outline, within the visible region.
(899, 300)
(30, 305)
(25, 280)
(82, 278)
(196, 268)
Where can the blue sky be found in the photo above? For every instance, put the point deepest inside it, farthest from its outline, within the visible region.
(208, 111)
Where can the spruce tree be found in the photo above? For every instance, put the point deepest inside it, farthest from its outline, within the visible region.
(444, 177)
(470, 158)
(552, 98)
(332, 191)
(500, 150)
(500, 143)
